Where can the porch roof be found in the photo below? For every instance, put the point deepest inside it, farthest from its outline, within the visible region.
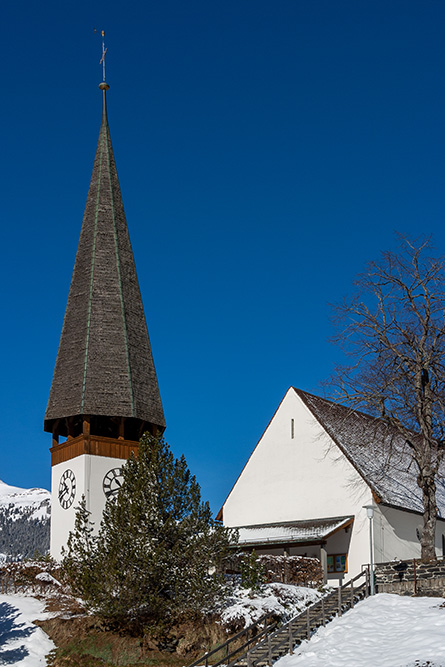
(295, 532)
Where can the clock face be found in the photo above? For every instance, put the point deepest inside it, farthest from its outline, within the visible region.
(112, 482)
(67, 489)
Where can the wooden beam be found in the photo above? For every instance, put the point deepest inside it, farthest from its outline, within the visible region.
(56, 432)
(86, 425)
(69, 428)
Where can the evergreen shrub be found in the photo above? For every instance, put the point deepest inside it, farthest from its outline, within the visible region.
(158, 554)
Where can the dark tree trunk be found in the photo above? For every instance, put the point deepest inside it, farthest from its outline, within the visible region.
(428, 539)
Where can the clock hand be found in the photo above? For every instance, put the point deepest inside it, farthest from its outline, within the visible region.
(63, 490)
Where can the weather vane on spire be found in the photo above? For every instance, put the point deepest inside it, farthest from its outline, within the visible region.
(102, 60)
(104, 50)
(103, 85)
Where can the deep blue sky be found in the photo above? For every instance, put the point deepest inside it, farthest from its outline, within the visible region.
(266, 149)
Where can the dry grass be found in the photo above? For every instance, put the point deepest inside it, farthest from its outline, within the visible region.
(82, 642)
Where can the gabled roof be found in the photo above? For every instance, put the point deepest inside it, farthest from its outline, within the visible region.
(378, 453)
(104, 365)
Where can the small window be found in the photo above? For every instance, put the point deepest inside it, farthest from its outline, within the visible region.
(337, 563)
(292, 429)
(443, 546)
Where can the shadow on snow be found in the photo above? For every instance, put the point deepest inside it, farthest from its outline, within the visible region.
(10, 630)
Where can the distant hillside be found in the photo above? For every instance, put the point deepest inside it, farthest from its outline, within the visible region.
(24, 521)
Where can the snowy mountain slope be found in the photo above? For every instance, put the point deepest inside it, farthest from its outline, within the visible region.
(24, 520)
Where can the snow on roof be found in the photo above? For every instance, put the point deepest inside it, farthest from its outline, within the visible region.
(378, 452)
(295, 531)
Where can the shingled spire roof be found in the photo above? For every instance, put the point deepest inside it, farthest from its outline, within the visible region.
(104, 365)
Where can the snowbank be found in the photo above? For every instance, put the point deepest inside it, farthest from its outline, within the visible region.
(282, 600)
(22, 643)
(385, 630)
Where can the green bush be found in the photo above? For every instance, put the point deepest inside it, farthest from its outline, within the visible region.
(252, 572)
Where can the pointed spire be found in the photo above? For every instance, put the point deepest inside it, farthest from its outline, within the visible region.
(104, 366)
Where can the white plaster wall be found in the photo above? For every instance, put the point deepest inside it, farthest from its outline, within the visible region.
(62, 520)
(395, 534)
(300, 478)
(96, 467)
(359, 551)
(89, 471)
(296, 478)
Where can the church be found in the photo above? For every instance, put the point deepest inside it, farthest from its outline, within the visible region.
(307, 486)
(310, 478)
(104, 393)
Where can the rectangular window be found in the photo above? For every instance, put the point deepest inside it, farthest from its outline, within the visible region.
(292, 429)
(337, 563)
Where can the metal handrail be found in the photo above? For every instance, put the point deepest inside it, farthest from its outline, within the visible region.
(269, 636)
(263, 619)
(266, 631)
(267, 643)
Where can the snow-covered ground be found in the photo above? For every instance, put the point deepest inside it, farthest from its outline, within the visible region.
(22, 643)
(382, 631)
(282, 600)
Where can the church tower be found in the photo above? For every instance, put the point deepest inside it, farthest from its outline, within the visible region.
(104, 392)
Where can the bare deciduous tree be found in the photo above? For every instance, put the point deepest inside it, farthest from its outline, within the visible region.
(394, 330)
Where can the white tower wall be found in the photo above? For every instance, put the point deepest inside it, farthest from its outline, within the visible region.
(89, 472)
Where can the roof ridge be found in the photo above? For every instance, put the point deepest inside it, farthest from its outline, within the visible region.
(93, 257)
(301, 392)
(118, 267)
